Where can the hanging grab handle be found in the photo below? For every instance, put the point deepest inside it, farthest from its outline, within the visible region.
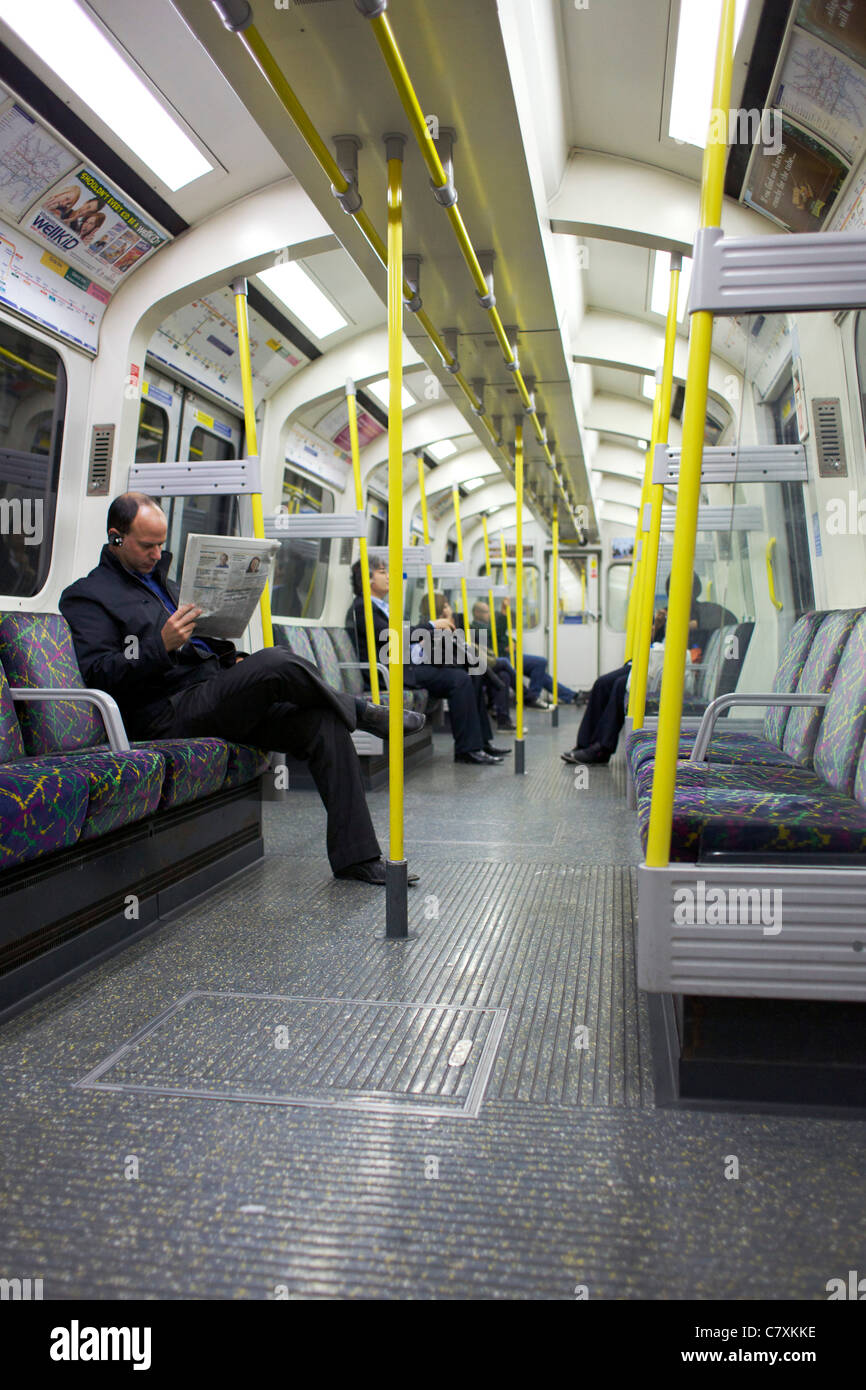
(771, 579)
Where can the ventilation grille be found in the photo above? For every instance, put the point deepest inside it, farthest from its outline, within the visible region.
(832, 460)
(99, 465)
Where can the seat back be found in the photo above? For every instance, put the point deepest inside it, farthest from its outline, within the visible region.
(844, 723)
(326, 658)
(36, 650)
(819, 671)
(11, 743)
(294, 639)
(353, 679)
(735, 639)
(789, 671)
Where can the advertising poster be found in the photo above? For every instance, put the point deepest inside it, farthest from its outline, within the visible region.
(40, 285)
(91, 226)
(798, 186)
(335, 426)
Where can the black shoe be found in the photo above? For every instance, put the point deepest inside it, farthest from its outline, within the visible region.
(476, 756)
(506, 726)
(593, 754)
(374, 719)
(370, 871)
(497, 752)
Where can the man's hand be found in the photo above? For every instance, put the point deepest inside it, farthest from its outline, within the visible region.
(179, 628)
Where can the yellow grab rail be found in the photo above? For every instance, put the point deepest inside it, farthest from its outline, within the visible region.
(688, 496)
(431, 592)
(518, 666)
(507, 600)
(365, 558)
(395, 501)
(251, 442)
(455, 495)
(555, 635)
(771, 578)
(643, 632)
(490, 604)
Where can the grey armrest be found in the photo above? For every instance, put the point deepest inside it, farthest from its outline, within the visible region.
(714, 709)
(108, 708)
(363, 666)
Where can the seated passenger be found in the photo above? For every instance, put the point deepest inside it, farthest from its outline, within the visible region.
(599, 730)
(133, 641)
(470, 725)
(534, 667)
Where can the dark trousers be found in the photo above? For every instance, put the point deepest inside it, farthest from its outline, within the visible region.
(470, 725)
(605, 711)
(275, 700)
(501, 691)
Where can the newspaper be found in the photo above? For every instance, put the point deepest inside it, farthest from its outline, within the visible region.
(224, 576)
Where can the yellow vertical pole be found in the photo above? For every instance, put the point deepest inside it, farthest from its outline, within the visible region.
(493, 635)
(519, 745)
(239, 288)
(643, 632)
(431, 592)
(365, 558)
(455, 494)
(396, 886)
(555, 619)
(689, 491)
(507, 601)
(639, 557)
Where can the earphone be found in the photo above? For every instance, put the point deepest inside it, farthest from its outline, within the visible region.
(117, 540)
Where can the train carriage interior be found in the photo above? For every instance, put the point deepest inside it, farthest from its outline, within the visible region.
(536, 331)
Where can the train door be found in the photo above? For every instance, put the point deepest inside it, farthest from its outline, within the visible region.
(578, 633)
(789, 564)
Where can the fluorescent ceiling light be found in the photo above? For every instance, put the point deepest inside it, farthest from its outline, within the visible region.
(443, 450)
(381, 390)
(691, 95)
(648, 387)
(295, 288)
(471, 484)
(77, 50)
(643, 444)
(662, 285)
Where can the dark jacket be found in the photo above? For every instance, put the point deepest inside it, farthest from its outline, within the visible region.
(108, 608)
(356, 624)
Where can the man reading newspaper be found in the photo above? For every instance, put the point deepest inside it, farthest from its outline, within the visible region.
(134, 640)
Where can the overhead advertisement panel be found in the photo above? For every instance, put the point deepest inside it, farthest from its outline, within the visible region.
(68, 238)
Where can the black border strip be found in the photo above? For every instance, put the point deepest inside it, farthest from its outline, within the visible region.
(32, 90)
(765, 55)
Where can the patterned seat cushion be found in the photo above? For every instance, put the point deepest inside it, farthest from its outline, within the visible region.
(244, 764)
(737, 777)
(726, 746)
(40, 810)
(760, 823)
(122, 787)
(11, 742)
(194, 767)
(36, 650)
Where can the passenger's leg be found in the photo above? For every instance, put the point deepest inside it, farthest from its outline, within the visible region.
(601, 692)
(455, 686)
(612, 717)
(534, 668)
(318, 737)
(228, 705)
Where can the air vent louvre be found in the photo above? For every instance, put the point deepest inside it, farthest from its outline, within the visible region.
(99, 464)
(832, 458)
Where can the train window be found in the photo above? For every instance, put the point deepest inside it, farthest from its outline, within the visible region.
(32, 408)
(210, 448)
(377, 521)
(152, 433)
(531, 590)
(301, 570)
(617, 596)
(197, 516)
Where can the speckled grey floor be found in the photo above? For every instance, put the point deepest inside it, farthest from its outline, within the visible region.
(567, 1176)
